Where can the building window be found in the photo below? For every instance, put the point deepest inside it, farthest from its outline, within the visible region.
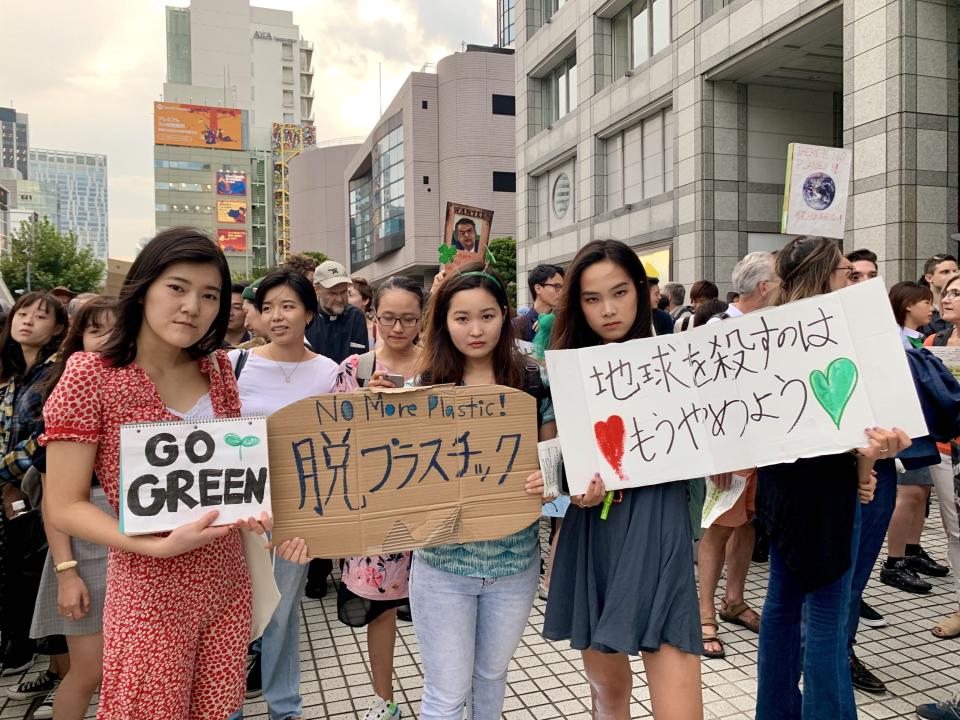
(508, 22)
(288, 76)
(639, 32)
(639, 160)
(550, 7)
(504, 105)
(388, 202)
(426, 179)
(288, 98)
(288, 118)
(287, 52)
(504, 181)
(560, 91)
(423, 104)
(560, 196)
(361, 231)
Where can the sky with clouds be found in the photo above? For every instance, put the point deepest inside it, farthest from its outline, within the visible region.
(88, 72)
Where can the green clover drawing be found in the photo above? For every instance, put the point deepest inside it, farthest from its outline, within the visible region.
(447, 254)
(234, 440)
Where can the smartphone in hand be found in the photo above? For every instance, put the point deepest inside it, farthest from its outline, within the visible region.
(396, 380)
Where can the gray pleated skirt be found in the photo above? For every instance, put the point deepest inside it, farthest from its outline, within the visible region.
(92, 567)
(626, 584)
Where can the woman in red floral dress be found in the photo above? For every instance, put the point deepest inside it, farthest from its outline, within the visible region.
(177, 613)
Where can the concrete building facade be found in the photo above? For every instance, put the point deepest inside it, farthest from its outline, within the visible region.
(664, 123)
(446, 136)
(15, 141)
(81, 183)
(227, 53)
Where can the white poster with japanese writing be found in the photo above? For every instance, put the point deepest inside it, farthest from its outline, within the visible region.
(173, 473)
(817, 186)
(800, 380)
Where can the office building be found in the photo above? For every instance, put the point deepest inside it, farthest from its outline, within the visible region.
(26, 198)
(4, 217)
(506, 23)
(665, 124)
(233, 71)
(15, 141)
(81, 183)
(445, 136)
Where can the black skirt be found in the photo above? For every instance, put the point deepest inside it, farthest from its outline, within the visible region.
(626, 584)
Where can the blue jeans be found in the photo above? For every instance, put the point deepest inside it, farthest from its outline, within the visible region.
(280, 645)
(468, 629)
(874, 521)
(822, 656)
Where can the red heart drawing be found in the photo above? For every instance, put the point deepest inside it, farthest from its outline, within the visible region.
(610, 441)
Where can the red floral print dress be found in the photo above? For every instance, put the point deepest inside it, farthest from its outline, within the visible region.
(175, 630)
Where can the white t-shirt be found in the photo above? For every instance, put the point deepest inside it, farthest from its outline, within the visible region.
(731, 311)
(264, 389)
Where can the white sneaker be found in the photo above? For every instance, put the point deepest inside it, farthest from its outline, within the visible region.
(44, 711)
(383, 710)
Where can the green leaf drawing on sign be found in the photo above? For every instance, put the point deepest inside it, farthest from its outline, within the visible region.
(234, 440)
(834, 388)
(447, 254)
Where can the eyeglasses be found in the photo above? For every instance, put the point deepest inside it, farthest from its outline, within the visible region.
(845, 268)
(557, 287)
(391, 320)
(950, 295)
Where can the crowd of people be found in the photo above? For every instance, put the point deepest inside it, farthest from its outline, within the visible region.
(162, 623)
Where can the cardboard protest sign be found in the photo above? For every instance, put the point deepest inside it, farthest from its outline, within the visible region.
(817, 185)
(775, 385)
(377, 472)
(466, 233)
(173, 473)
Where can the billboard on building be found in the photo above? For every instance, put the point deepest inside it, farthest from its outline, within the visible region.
(232, 241)
(197, 126)
(232, 211)
(230, 182)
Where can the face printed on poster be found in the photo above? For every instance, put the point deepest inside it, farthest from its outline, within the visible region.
(175, 473)
(466, 234)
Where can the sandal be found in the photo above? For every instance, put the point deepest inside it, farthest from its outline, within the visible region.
(947, 628)
(732, 613)
(711, 637)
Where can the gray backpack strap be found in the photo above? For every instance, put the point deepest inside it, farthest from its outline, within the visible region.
(241, 361)
(365, 367)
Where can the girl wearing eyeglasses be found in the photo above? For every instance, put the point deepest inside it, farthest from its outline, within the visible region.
(372, 588)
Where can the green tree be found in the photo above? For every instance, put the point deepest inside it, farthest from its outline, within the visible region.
(255, 272)
(53, 260)
(504, 252)
(316, 255)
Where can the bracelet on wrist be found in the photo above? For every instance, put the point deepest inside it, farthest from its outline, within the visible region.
(65, 565)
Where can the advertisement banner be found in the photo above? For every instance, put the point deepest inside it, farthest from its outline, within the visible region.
(230, 182)
(799, 380)
(173, 473)
(197, 126)
(232, 211)
(232, 241)
(379, 472)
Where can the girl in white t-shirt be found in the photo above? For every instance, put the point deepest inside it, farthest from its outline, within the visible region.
(270, 378)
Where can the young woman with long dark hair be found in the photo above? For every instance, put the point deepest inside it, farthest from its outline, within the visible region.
(34, 330)
(643, 550)
(471, 601)
(176, 619)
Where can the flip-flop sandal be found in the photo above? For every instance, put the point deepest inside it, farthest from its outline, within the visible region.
(732, 613)
(949, 628)
(711, 637)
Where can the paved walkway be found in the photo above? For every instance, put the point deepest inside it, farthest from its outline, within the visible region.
(546, 681)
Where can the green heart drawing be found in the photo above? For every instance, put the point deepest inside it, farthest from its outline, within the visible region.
(234, 440)
(447, 254)
(834, 388)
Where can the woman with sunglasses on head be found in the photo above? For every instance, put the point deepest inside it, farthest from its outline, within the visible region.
(176, 619)
(372, 588)
(945, 475)
(471, 601)
(811, 509)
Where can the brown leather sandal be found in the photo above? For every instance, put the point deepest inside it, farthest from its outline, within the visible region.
(732, 613)
(947, 628)
(711, 637)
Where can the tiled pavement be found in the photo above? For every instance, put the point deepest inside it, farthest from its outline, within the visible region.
(546, 681)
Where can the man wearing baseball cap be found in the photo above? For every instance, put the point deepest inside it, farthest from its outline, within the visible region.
(339, 330)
